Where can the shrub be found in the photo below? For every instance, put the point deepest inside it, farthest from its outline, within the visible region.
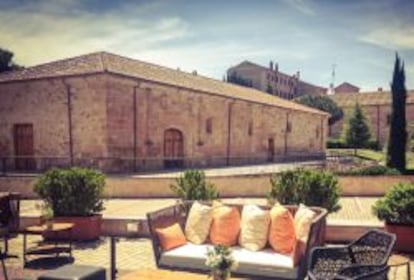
(193, 186)
(375, 170)
(72, 192)
(397, 206)
(336, 144)
(311, 187)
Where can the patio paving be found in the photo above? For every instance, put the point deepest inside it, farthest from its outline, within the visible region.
(136, 253)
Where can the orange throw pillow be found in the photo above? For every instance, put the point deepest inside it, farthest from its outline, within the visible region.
(282, 236)
(225, 227)
(171, 237)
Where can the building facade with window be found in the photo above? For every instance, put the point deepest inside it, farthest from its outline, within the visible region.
(273, 81)
(120, 114)
(376, 106)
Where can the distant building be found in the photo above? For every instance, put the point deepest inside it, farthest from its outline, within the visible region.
(272, 80)
(346, 87)
(377, 108)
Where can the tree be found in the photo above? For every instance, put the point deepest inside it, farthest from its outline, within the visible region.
(357, 133)
(398, 134)
(323, 103)
(6, 61)
(269, 89)
(234, 78)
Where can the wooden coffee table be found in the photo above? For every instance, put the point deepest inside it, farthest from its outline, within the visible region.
(159, 274)
(48, 248)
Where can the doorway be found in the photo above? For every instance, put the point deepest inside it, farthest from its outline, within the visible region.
(173, 148)
(270, 149)
(23, 147)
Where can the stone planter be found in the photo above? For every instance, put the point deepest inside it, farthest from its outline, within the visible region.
(85, 228)
(404, 234)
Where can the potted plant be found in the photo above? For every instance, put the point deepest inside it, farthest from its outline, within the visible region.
(75, 196)
(396, 208)
(221, 262)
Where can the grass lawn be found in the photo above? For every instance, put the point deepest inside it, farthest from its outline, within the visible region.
(378, 156)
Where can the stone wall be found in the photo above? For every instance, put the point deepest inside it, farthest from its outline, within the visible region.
(378, 121)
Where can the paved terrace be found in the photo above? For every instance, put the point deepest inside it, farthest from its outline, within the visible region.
(136, 253)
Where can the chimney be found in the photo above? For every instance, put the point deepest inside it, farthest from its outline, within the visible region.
(271, 65)
(380, 89)
(298, 74)
(276, 67)
(194, 72)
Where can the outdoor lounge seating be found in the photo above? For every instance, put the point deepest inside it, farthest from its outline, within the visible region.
(262, 263)
(9, 217)
(365, 258)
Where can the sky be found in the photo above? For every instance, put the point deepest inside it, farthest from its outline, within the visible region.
(359, 37)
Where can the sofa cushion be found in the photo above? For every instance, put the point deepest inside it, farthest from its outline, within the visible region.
(198, 223)
(265, 262)
(282, 236)
(303, 221)
(225, 227)
(254, 227)
(171, 237)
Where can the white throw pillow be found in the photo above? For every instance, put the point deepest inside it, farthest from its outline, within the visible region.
(303, 220)
(198, 223)
(254, 227)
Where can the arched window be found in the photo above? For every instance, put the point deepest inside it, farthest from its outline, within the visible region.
(209, 126)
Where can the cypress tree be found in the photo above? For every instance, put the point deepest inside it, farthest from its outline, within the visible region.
(357, 134)
(398, 134)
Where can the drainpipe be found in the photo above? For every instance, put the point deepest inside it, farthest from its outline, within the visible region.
(134, 125)
(230, 110)
(378, 123)
(286, 132)
(69, 111)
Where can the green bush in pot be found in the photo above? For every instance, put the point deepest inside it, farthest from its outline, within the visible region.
(194, 186)
(310, 187)
(72, 192)
(397, 206)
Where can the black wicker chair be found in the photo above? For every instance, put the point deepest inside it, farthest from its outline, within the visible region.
(3, 265)
(9, 217)
(365, 257)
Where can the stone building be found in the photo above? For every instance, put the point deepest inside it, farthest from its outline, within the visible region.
(273, 81)
(376, 107)
(346, 87)
(120, 114)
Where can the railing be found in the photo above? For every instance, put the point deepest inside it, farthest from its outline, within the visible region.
(38, 164)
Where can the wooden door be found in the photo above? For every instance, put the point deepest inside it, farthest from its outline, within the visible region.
(173, 148)
(23, 147)
(270, 149)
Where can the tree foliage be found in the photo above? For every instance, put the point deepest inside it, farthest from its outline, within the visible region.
(311, 187)
(357, 134)
(6, 61)
(323, 103)
(193, 186)
(234, 78)
(398, 133)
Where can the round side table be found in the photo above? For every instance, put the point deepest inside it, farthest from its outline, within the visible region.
(399, 260)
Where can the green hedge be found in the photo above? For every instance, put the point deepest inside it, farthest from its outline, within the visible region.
(311, 187)
(376, 170)
(341, 144)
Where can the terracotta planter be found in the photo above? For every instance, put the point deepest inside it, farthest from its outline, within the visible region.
(404, 234)
(85, 228)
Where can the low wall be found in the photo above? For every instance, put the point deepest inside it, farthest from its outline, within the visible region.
(230, 186)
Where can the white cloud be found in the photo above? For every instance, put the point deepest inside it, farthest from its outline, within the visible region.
(391, 38)
(302, 6)
(37, 35)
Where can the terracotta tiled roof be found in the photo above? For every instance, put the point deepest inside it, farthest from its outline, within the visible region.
(106, 62)
(367, 98)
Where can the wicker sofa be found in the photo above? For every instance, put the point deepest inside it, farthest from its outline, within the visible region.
(263, 263)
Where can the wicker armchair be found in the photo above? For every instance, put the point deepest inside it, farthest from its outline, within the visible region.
(365, 257)
(9, 216)
(3, 265)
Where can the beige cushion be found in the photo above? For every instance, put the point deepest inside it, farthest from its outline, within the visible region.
(303, 220)
(261, 263)
(254, 227)
(198, 223)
